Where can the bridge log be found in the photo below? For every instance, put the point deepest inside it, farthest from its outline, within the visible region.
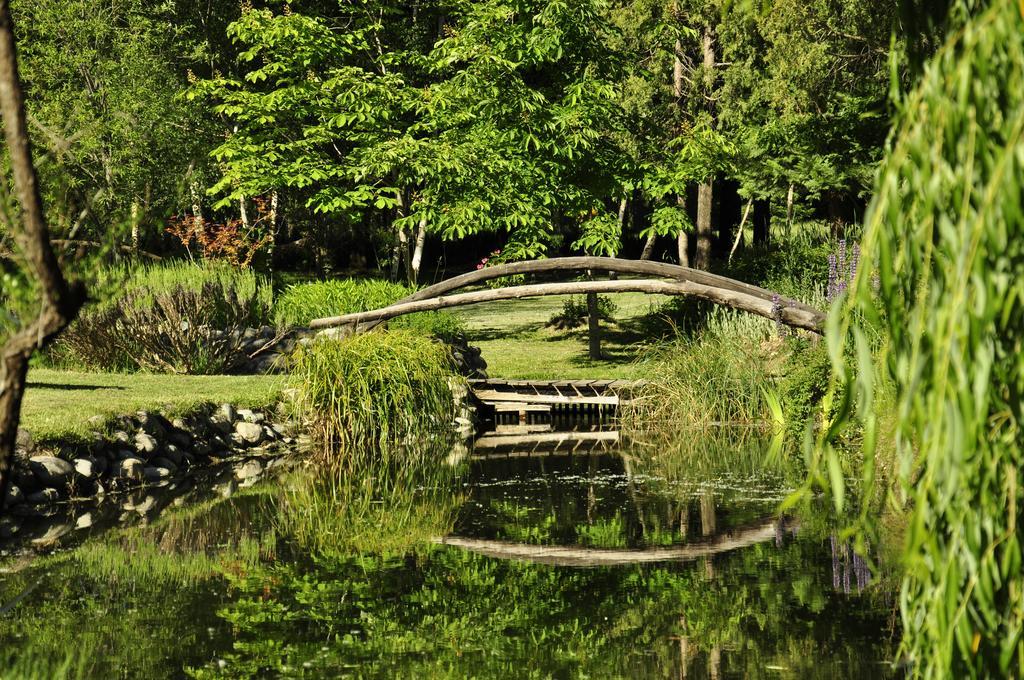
(579, 263)
(788, 312)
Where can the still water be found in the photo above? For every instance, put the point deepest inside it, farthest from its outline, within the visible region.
(520, 563)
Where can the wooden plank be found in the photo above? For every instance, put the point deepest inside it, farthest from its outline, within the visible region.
(521, 429)
(495, 441)
(516, 407)
(492, 397)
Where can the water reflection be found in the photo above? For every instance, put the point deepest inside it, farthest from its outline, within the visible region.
(520, 562)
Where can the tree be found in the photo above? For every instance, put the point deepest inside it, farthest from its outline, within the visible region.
(59, 301)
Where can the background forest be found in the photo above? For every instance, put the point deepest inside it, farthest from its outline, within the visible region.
(325, 136)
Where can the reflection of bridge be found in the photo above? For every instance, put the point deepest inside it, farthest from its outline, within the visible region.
(571, 556)
(672, 280)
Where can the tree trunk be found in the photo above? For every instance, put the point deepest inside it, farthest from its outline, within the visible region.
(762, 223)
(243, 213)
(705, 195)
(739, 229)
(702, 255)
(135, 224)
(789, 211)
(272, 231)
(417, 253)
(648, 250)
(60, 302)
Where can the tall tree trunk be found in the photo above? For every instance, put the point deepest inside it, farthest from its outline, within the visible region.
(762, 222)
(60, 302)
(739, 230)
(272, 231)
(243, 213)
(683, 248)
(682, 240)
(593, 324)
(789, 210)
(648, 250)
(702, 255)
(135, 224)
(417, 253)
(705, 194)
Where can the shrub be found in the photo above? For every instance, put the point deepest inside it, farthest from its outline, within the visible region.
(301, 303)
(177, 318)
(574, 312)
(369, 399)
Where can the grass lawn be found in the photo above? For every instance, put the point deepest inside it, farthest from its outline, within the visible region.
(58, 404)
(516, 343)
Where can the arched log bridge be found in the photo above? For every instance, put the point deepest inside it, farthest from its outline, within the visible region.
(671, 280)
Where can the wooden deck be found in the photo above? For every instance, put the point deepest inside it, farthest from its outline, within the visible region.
(533, 397)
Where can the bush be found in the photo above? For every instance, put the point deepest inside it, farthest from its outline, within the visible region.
(368, 399)
(177, 318)
(574, 312)
(301, 303)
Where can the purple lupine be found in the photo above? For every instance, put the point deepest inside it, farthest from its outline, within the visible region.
(835, 561)
(861, 571)
(833, 277)
(841, 264)
(777, 314)
(846, 568)
(854, 261)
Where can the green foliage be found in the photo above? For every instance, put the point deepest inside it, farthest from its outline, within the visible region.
(945, 241)
(175, 318)
(102, 82)
(301, 303)
(368, 400)
(574, 312)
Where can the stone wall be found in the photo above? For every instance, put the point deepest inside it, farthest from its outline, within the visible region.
(146, 449)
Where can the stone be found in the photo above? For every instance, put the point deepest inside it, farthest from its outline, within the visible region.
(97, 421)
(51, 471)
(201, 448)
(250, 433)
(124, 454)
(250, 416)
(173, 454)
(152, 423)
(179, 437)
(156, 473)
(53, 534)
(227, 413)
(24, 478)
(84, 521)
(143, 506)
(122, 437)
(132, 468)
(24, 440)
(162, 462)
(146, 443)
(9, 528)
(248, 469)
(43, 497)
(86, 468)
(15, 496)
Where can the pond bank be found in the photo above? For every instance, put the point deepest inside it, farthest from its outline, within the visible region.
(146, 448)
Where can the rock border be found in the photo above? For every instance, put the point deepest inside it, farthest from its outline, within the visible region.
(146, 449)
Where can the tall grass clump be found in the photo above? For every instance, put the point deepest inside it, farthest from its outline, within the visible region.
(944, 288)
(171, 318)
(368, 399)
(301, 303)
(717, 376)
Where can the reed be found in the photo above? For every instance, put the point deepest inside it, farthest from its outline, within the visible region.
(369, 400)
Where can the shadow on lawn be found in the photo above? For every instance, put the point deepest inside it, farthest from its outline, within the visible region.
(61, 386)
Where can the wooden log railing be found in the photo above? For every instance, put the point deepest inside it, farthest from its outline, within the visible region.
(683, 281)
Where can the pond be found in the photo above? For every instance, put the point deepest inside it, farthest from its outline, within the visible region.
(521, 562)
